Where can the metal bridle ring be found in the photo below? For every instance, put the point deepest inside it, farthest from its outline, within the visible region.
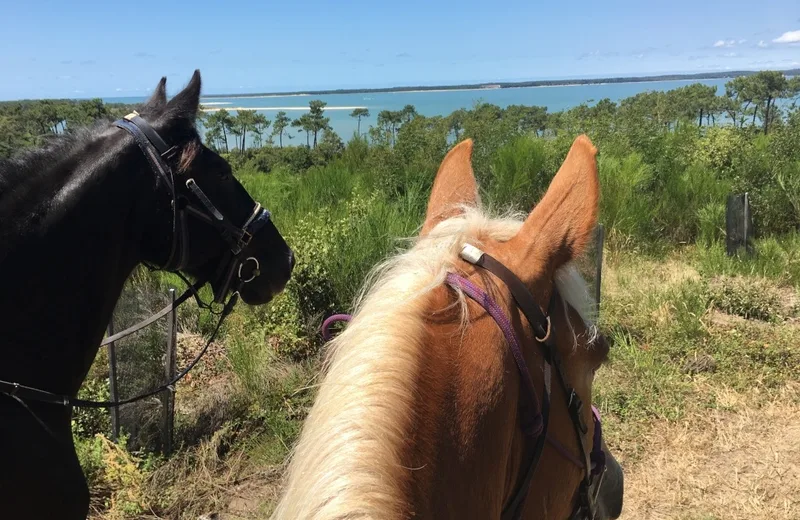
(547, 334)
(256, 270)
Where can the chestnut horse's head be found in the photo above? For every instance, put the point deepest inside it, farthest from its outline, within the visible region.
(424, 410)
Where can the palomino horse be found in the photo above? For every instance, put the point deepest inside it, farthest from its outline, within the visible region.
(434, 402)
(75, 219)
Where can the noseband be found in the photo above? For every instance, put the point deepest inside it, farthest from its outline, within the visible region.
(535, 413)
(157, 152)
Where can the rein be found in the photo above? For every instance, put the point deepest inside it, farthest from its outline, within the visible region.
(157, 152)
(534, 412)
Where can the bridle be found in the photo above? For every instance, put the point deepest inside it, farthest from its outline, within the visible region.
(237, 238)
(232, 267)
(535, 414)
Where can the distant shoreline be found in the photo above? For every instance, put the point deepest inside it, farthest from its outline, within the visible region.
(205, 108)
(494, 85)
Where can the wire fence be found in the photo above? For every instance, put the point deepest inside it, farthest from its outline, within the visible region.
(141, 362)
(738, 225)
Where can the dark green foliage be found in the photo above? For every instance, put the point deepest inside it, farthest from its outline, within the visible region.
(25, 124)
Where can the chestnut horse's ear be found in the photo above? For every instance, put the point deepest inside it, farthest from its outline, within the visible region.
(454, 186)
(561, 225)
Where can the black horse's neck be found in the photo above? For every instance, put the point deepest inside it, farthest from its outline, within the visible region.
(64, 268)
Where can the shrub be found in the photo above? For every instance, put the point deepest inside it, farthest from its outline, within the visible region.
(518, 177)
(711, 223)
(625, 207)
(750, 298)
(87, 422)
(115, 477)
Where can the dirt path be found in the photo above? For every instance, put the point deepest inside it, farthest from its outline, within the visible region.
(737, 464)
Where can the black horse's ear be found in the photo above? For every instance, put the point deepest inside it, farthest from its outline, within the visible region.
(158, 100)
(185, 104)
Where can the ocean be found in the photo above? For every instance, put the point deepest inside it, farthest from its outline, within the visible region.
(431, 103)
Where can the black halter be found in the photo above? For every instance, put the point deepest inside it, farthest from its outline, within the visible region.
(535, 415)
(157, 152)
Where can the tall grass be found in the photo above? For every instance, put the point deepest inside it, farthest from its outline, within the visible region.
(517, 173)
(625, 207)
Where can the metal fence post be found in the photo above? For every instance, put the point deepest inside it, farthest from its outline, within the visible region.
(112, 382)
(168, 397)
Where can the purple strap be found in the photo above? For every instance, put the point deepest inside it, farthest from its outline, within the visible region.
(326, 325)
(531, 422)
(598, 456)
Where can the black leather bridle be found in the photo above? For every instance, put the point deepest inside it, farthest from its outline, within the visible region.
(237, 238)
(233, 266)
(535, 413)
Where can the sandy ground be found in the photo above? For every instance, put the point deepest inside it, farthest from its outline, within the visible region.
(743, 463)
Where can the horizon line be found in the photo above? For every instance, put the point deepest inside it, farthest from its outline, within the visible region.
(485, 85)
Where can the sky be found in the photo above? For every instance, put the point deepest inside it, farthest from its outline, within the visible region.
(98, 48)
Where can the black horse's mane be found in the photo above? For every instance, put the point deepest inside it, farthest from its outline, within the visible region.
(27, 184)
(32, 163)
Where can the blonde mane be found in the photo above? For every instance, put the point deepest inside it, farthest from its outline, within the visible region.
(348, 462)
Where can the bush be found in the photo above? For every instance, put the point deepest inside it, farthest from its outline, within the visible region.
(750, 298)
(518, 177)
(115, 477)
(711, 223)
(87, 422)
(625, 207)
(683, 200)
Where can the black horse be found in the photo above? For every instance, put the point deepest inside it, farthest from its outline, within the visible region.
(76, 218)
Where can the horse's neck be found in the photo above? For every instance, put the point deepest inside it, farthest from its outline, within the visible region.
(61, 281)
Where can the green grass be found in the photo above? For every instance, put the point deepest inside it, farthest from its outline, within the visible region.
(774, 258)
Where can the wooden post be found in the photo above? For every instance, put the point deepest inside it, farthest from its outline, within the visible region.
(598, 278)
(168, 397)
(112, 382)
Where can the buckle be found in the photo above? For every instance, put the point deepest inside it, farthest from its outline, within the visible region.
(546, 334)
(130, 116)
(575, 407)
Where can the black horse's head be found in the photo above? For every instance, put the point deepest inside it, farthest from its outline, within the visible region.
(216, 231)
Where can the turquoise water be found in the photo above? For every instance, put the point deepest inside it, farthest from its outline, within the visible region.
(434, 103)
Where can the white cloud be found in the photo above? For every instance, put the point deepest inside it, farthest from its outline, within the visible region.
(763, 44)
(788, 37)
(742, 41)
(731, 54)
(724, 43)
(119, 90)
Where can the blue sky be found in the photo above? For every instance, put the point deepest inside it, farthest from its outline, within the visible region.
(100, 48)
